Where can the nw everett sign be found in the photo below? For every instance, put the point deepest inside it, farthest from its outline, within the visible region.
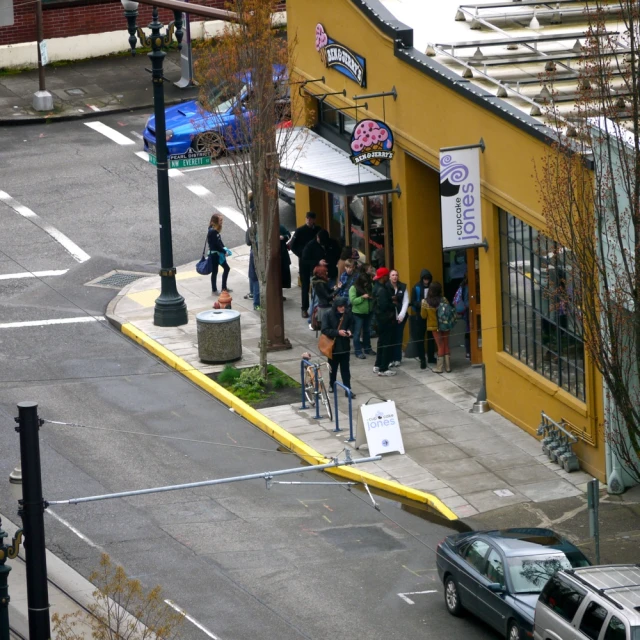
(182, 160)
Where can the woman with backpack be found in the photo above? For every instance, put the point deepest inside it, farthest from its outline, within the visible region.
(323, 294)
(441, 318)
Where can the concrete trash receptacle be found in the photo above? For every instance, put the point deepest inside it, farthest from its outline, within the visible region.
(219, 336)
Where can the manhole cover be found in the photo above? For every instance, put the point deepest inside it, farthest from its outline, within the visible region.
(75, 92)
(117, 279)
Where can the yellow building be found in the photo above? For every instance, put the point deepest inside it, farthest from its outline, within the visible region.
(532, 351)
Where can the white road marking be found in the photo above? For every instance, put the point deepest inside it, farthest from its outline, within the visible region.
(110, 133)
(234, 215)
(44, 323)
(214, 166)
(229, 212)
(199, 190)
(32, 274)
(414, 593)
(76, 252)
(93, 107)
(192, 620)
(143, 154)
(137, 135)
(72, 528)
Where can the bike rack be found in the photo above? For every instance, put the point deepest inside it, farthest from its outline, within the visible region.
(315, 366)
(335, 399)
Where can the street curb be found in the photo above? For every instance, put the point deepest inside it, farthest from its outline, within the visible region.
(297, 446)
(6, 122)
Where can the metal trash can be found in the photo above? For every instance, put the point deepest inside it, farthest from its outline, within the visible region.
(219, 336)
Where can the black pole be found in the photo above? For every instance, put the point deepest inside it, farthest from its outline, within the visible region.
(170, 308)
(32, 513)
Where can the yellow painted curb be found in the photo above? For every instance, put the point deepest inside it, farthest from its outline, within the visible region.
(304, 451)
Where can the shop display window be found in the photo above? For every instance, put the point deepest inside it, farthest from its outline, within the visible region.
(542, 327)
(338, 218)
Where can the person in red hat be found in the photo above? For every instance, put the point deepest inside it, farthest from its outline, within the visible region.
(385, 312)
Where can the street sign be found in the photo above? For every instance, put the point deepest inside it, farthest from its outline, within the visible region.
(183, 160)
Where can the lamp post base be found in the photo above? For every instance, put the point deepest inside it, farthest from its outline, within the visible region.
(170, 309)
(42, 101)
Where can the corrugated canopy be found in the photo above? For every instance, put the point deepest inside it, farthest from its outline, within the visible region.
(308, 158)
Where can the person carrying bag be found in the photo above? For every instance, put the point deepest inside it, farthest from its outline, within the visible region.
(441, 318)
(334, 342)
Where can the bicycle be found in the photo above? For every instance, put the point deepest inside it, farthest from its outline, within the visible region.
(310, 387)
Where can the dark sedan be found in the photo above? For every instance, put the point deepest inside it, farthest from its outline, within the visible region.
(498, 575)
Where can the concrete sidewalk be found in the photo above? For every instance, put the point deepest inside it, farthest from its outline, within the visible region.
(81, 89)
(472, 463)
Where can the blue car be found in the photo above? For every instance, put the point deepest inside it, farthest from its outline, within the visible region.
(190, 127)
(498, 575)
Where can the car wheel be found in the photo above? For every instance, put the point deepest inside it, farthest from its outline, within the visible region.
(452, 597)
(514, 631)
(209, 142)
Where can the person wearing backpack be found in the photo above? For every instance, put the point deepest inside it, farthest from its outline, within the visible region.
(441, 318)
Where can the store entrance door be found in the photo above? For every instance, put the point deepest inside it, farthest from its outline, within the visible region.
(475, 308)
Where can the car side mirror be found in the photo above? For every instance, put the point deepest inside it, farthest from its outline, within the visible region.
(495, 587)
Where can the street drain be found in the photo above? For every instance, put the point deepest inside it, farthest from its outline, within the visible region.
(75, 92)
(117, 279)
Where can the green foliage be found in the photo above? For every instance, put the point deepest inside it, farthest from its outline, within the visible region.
(228, 376)
(121, 610)
(251, 386)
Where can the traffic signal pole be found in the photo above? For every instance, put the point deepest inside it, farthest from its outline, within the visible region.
(32, 513)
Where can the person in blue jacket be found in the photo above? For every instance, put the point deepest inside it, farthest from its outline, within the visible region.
(217, 253)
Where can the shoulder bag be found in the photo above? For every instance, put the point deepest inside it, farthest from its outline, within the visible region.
(326, 344)
(204, 266)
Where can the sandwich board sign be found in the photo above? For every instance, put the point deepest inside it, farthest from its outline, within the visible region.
(378, 427)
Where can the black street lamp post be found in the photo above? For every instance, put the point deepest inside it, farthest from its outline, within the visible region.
(170, 308)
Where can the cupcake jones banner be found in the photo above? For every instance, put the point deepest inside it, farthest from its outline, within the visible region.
(333, 54)
(371, 143)
(460, 198)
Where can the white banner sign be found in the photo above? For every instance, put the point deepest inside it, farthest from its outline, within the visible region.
(460, 203)
(44, 54)
(381, 428)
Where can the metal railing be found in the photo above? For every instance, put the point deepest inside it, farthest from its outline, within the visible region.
(337, 384)
(557, 443)
(304, 364)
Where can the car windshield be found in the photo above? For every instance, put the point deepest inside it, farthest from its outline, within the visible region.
(529, 574)
(224, 96)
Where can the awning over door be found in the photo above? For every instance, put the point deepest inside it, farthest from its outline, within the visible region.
(310, 159)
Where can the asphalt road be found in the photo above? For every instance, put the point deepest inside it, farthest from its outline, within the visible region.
(246, 562)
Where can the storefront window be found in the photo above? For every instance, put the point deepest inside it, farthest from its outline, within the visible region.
(541, 325)
(337, 221)
(376, 218)
(349, 124)
(330, 116)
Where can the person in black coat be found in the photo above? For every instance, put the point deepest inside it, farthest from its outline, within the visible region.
(217, 250)
(301, 238)
(285, 260)
(338, 324)
(417, 326)
(385, 315)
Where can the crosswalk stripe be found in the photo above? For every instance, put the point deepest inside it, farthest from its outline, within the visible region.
(110, 133)
(76, 252)
(32, 274)
(229, 212)
(44, 323)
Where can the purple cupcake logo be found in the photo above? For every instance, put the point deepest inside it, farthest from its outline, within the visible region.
(371, 143)
(452, 175)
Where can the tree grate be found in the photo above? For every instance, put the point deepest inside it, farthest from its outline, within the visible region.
(117, 279)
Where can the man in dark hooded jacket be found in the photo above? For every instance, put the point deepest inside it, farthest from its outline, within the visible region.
(338, 324)
(417, 326)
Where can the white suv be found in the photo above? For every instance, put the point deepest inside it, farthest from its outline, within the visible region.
(591, 603)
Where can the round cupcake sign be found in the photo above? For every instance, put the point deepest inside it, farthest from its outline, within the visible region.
(371, 143)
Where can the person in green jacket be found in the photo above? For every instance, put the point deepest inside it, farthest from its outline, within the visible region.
(361, 298)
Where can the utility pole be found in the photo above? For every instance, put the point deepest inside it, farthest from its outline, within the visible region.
(32, 513)
(42, 99)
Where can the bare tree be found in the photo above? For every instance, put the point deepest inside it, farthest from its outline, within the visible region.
(121, 610)
(589, 187)
(245, 72)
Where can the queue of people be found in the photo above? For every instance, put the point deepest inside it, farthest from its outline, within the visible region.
(347, 300)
